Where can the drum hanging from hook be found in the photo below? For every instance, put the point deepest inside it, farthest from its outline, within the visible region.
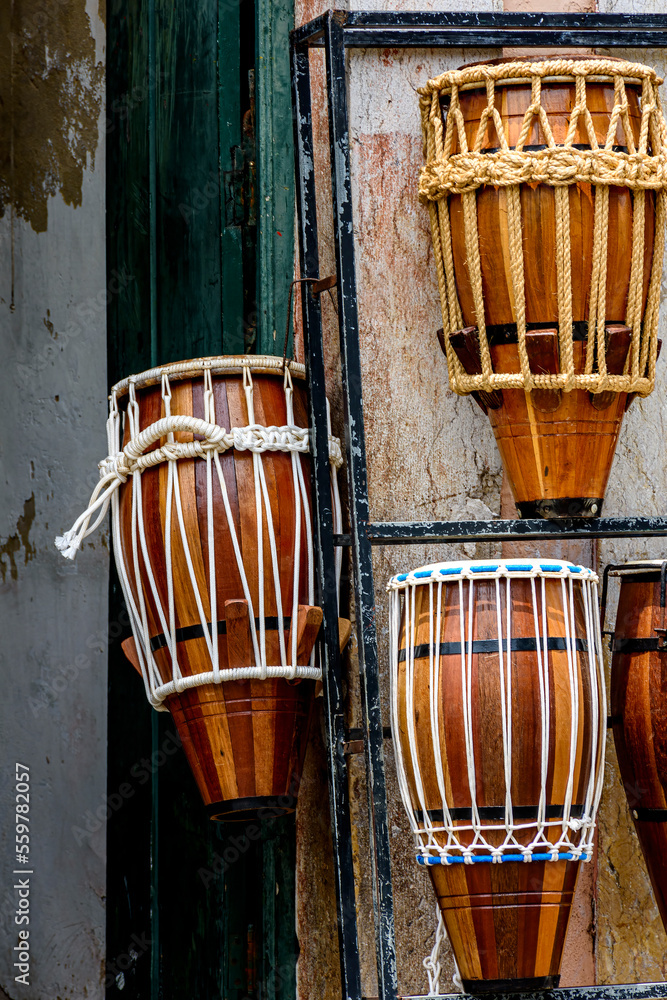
(499, 724)
(208, 476)
(548, 240)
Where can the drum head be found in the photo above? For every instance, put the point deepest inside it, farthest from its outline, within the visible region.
(227, 364)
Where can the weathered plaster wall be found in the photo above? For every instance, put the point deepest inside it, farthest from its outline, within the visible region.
(431, 454)
(631, 941)
(53, 614)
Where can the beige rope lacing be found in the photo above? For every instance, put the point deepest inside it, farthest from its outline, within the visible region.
(559, 166)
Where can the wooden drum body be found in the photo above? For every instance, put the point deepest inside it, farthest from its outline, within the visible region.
(498, 717)
(209, 479)
(548, 245)
(639, 711)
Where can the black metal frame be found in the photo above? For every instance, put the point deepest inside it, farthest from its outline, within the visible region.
(336, 31)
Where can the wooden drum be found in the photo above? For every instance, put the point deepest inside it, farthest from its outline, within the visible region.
(639, 709)
(209, 480)
(546, 186)
(499, 721)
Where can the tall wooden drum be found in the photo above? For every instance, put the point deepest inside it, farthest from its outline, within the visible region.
(499, 721)
(209, 480)
(639, 709)
(546, 185)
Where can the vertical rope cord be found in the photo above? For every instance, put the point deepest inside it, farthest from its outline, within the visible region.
(466, 663)
(543, 679)
(568, 617)
(209, 415)
(410, 599)
(575, 835)
(289, 410)
(505, 666)
(436, 189)
(394, 633)
(248, 389)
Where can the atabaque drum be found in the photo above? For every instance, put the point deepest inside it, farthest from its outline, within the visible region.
(499, 721)
(546, 190)
(639, 709)
(209, 479)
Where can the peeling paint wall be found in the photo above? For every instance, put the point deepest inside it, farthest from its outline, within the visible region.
(53, 614)
(431, 454)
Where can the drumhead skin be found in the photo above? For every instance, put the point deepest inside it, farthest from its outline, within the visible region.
(223, 364)
(639, 711)
(499, 721)
(481, 568)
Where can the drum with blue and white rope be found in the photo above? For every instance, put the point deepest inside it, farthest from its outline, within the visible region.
(499, 723)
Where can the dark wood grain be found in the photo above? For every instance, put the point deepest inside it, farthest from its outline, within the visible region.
(505, 921)
(639, 710)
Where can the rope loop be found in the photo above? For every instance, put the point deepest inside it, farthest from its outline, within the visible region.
(457, 167)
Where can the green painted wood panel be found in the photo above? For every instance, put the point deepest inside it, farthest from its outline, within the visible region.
(275, 18)
(178, 89)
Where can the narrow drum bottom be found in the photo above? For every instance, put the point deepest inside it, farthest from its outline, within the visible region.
(506, 923)
(561, 507)
(259, 808)
(476, 986)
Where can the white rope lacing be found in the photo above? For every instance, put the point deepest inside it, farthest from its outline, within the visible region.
(432, 962)
(116, 468)
(136, 569)
(439, 840)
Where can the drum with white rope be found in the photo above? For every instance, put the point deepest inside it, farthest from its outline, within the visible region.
(499, 722)
(209, 483)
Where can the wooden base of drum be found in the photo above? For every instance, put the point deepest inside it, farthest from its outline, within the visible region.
(639, 711)
(258, 808)
(245, 740)
(557, 447)
(506, 922)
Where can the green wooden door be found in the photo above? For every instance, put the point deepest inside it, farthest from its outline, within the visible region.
(200, 227)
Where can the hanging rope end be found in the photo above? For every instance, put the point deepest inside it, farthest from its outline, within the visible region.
(68, 544)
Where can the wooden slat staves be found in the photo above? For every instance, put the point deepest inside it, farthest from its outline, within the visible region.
(639, 713)
(558, 454)
(539, 213)
(245, 739)
(505, 921)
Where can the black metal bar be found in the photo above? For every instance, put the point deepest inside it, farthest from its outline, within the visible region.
(324, 538)
(362, 563)
(413, 532)
(370, 29)
(381, 37)
(486, 19)
(310, 33)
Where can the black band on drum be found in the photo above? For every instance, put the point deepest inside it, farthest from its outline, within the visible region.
(458, 813)
(561, 507)
(632, 644)
(197, 632)
(522, 644)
